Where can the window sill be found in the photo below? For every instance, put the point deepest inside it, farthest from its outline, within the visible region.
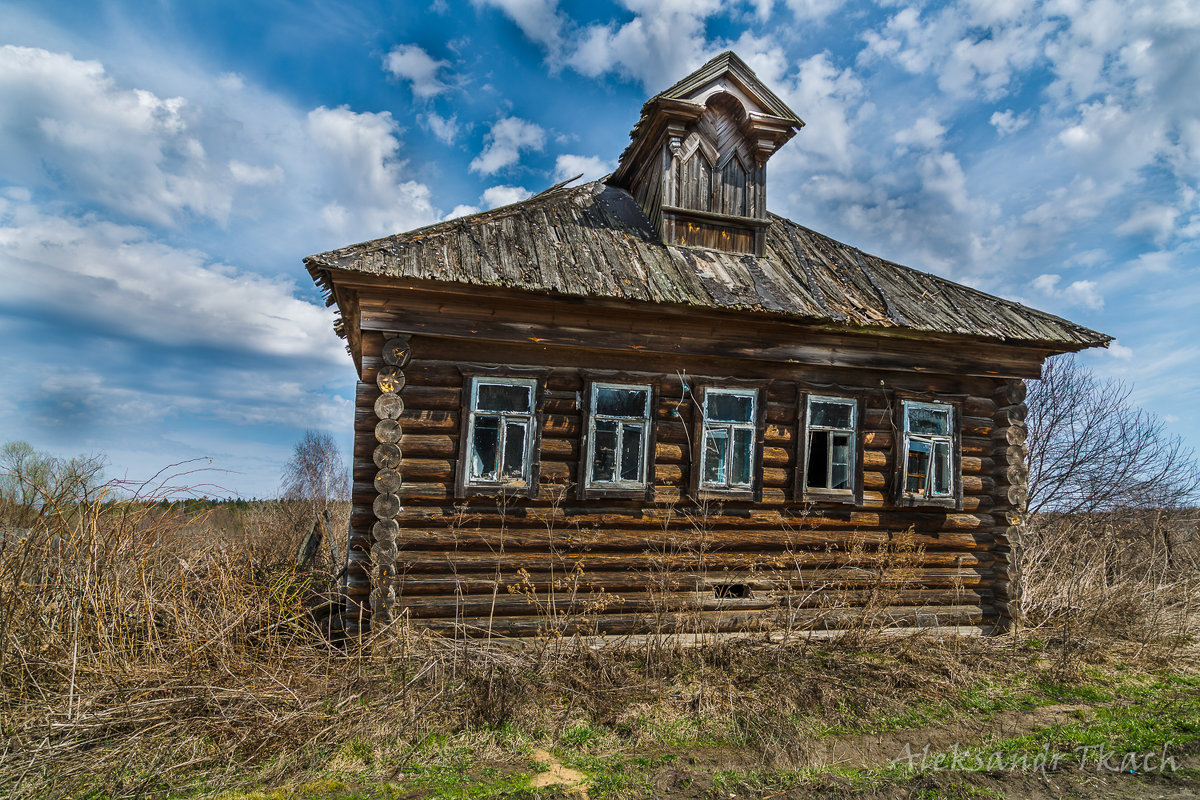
(617, 492)
(827, 496)
(724, 494)
(497, 490)
(909, 501)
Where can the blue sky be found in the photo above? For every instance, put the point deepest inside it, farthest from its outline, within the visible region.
(164, 167)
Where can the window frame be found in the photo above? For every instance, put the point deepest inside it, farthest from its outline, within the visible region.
(465, 485)
(753, 491)
(616, 489)
(853, 495)
(954, 498)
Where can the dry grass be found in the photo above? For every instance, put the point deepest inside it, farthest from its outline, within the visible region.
(145, 654)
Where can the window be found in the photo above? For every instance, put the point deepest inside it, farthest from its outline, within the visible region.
(929, 454)
(831, 442)
(619, 428)
(727, 439)
(500, 432)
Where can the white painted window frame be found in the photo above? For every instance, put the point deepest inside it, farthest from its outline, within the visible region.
(644, 422)
(954, 478)
(852, 431)
(529, 418)
(708, 425)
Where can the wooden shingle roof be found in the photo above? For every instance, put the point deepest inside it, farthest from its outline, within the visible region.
(594, 241)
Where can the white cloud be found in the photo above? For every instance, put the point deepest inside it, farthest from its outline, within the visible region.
(590, 167)
(496, 196)
(118, 280)
(1077, 293)
(1120, 351)
(813, 10)
(411, 63)
(250, 175)
(1006, 122)
(371, 196)
(445, 129)
(462, 211)
(66, 122)
(1152, 219)
(67, 129)
(926, 133)
(507, 139)
(540, 20)
(662, 43)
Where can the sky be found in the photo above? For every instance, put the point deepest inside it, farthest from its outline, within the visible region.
(165, 167)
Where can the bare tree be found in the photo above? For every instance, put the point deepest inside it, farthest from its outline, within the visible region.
(316, 473)
(316, 480)
(1092, 450)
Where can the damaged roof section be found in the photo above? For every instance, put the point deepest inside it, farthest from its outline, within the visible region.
(594, 241)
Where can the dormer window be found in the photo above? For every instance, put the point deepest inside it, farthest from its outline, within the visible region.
(697, 163)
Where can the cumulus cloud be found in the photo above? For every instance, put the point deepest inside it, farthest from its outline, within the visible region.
(371, 196)
(540, 20)
(66, 122)
(664, 40)
(505, 142)
(66, 126)
(496, 196)
(444, 129)
(590, 167)
(1006, 122)
(926, 133)
(119, 280)
(1077, 293)
(411, 63)
(1152, 219)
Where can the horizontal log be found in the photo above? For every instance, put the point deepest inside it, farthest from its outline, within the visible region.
(887, 566)
(793, 584)
(715, 621)
(690, 540)
(527, 602)
(1010, 415)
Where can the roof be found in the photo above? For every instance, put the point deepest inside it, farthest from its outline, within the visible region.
(594, 241)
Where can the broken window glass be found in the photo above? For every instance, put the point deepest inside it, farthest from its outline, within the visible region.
(832, 434)
(729, 427)
(929, 471)
(501, 431)
(620, 421)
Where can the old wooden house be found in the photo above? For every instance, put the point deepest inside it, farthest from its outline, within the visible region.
(647, 404)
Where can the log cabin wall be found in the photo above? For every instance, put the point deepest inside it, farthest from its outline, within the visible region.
(517, 566)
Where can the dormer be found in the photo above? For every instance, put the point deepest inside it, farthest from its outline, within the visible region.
(697, 163)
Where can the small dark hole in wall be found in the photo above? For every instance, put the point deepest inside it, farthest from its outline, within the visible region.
(732, 591)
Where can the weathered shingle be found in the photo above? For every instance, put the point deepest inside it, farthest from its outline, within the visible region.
(594, 241)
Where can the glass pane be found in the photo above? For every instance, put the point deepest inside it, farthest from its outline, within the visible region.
(622, 402)
(514, 451)
(743, 456)
(917, 469)
(929, 420)
(631, 453)
(840, 458)
(730, 407)
(716, 447)
(818, 459)
(498, 397)
(604, 454)
(941, 468)
(829, 415)
(485, 446)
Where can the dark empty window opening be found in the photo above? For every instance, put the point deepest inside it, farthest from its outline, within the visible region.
(832, 430)
(732, 591)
